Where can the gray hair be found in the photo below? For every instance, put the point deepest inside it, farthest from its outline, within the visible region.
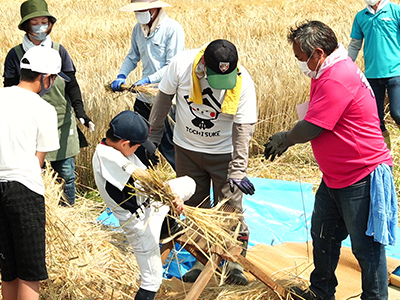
(313, 34)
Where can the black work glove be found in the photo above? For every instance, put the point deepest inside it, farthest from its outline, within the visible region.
(243, 184)
(150, 152)
(276, 145)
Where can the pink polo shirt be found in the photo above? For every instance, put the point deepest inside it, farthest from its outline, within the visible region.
(351, 146)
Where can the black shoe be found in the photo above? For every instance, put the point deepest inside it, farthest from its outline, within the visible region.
(235, 274)
(193, 273)
(236, 277)
(300, 294)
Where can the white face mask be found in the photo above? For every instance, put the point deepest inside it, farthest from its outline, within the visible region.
(303, 65)
(143, 17)
(40, 31)
(371, 2)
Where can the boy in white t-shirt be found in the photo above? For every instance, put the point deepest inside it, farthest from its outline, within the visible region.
(28, 130)
(114, 162)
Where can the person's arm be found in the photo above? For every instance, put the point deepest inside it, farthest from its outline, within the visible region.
(73, 91)
(159, 111)
(41, 156)
(133, 56)
(302, 132)
(11, 69)
(354, 47)
(241, 136)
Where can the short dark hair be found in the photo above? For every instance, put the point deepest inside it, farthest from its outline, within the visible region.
(26, 26)
(313, 34)
(110, 135)
(28, 75)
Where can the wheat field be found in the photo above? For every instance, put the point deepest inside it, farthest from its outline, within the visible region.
(97, 37)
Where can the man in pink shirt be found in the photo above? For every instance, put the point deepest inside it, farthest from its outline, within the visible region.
(342, 124)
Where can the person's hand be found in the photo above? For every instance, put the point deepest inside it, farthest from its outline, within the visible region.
(178, 203)
(87, 122)
(150, 153)
(276, 145)
(243, 184)
(116, 84)
(141, 174)
(142, 81)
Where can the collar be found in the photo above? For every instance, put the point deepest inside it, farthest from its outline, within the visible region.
(156, 23)
(380, 7)
(338, 55)
(27, 43)
(103, 142)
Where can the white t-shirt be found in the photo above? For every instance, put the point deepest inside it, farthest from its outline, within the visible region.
(27, 124)
(203, 128)
(110, 165)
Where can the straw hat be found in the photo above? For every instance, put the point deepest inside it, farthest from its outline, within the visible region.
(137, 5)
(32, 9)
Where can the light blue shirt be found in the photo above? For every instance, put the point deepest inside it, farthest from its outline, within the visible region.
(381, 34)
(156, 50)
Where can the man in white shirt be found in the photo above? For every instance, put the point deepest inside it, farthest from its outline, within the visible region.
(216, 108)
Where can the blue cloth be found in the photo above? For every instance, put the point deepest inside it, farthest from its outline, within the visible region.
(156, 50)
(381, 34)
(382, 221)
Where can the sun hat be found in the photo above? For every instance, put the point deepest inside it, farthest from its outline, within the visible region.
(32, 9)
(137, 5)
(221, 60)
(44, 60)
(129, 125)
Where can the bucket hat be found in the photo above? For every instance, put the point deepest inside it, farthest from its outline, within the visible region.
(32, 9)
(137, 5)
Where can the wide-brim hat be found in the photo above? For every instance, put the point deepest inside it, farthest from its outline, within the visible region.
(32, 9)
(137, 5)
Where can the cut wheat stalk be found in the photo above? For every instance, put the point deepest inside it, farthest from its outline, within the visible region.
(215, 225)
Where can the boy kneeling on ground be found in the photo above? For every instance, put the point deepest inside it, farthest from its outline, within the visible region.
(114, 162)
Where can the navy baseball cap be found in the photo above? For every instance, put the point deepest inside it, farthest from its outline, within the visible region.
(221, 59)
(129, 125)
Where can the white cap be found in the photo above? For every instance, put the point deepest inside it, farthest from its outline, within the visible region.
(44, 60)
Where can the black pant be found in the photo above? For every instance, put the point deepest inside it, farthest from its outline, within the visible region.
(166, 147)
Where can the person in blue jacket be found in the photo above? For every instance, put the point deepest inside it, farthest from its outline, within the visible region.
(156, 39)
(378, 26)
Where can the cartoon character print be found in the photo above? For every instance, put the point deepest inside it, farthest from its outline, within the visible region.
(207, 112)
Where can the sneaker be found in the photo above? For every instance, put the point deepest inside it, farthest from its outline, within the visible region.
(300, 294)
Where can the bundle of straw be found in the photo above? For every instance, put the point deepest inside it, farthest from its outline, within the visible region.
(214, 225)
(147, 90)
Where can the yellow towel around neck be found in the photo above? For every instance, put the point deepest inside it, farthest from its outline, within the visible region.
(232, 97)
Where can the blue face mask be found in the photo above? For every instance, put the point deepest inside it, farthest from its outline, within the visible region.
(44, 90)
(40, 32)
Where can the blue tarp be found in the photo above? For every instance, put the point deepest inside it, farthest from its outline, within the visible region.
(279, 211)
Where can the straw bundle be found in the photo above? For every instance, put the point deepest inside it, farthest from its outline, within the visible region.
(146, 90)
(214, 225)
